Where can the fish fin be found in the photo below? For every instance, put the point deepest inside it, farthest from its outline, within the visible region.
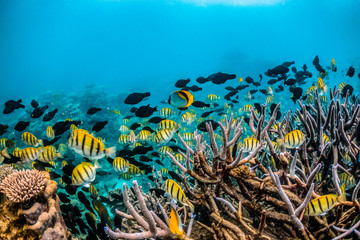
(111, 152)
(59, 155)
(96, 164)
(5, 153)
(342, 197)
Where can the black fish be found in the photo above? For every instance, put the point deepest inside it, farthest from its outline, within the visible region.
(241, 87)
(84, 200)
(54, 175)
(175, 176)
(257, 107)
(261, 77)
(135, 98)
(345, 89)
(200, 104)
(143, 158)
(142, 150)
(195, 88)
(287, 64)
(155, 120)
(202, 80)
(67, 169)
(229, 95)
(63, 197)
(350, 72)
(278, 70)
(34, 103)
(256, 84)
(297, 92)
(117, 221)
(272, 81)
(70, 189)
(21, 126)
(293, 69)
(229, 89)
(158, 192)
(148, 128)
(133, 109)
(202, 125)
(253, 91)
(263, 91)
(359, 75)
(249, 80)
(135, 126)
(12, 105)
(159, 162)
(279, 89)
(51, 142)
(234, 101)
(205, 114)
(316, 63)
(82, 226)
(99, 126)
(220, 78)
(290, 82)
(66, 179)
(145, 111)
(304, 67)
(3, 128)
(272, 107)
(182, 83)
(155, 154)
(49, 115)
(37, 112)
(93, 110)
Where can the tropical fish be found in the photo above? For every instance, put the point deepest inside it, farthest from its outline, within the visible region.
(126, 176)
(181, 99)
(84, 173)
(30, 139)
(164, 136)
(293, 139)
(132, 137)
(31, 154)
(93, 192)
(166, 112)
(165, 149)
(333, 66)
(50, 132)
(212, 98)
(187, 136)
(124, 129)
(93, 110)
(103, 213)
(347, 179)
(48, 155)
(180, 157)
(321, 205)
(187, 117)
(169, 124)
(73, 127)
(321, 85)
(144, 135)
(250, 144)
(123, 139)
(175, 223)
(164, 171)
(174, 190)
(4, 154)
(87, 145)
(121, 165)
(134, 170)
(135, 98)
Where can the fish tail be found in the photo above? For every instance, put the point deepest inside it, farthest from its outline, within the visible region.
(5, 153)
(325, 88)
(111, 152)
(191, 206)
(96, 164)
(40, 142)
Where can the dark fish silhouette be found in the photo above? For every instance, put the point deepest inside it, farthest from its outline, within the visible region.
(290, 82)
(145, 111)
(200, 104)
(63, 197)
(257, 107)
(93, 110)
(195, 88)
(133, 109)
(253, 91)
(34, 103)
(297, 92)
(220, 78)
(155, 120)
(316, 63)
(230, 94)
(278, 70)
(50, 115)
(350, 72)
(51, 142)
(293, 69)
(249, 79)
(99, 126)
(61, 127)
(346, 88)
(21, 126)
(229, 89)
(202, 80)
(135, 98)
(39, 111)
(85, 201)
(272, 81)
(143, 158)
(272, 107)
(12, 105)
(182, 83)
(263, 91)
(91, 221)
(202, 125)
(206, 114)
(304, 67)
(134, 126)
(241, 87)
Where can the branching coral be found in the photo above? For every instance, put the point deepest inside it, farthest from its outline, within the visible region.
(21, 186)
(5, 170)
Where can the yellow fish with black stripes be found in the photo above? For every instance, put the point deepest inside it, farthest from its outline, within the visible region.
(121, 165)
(164, 136)
(4, 154)
(30, 154)
(347, 179)
(250, 144)
(321, 205)
(50, 132)
(86, 145)
(173, 190)
(84, 173)
(49, 155)
(93, 192)
(293, 139)
(31, 140)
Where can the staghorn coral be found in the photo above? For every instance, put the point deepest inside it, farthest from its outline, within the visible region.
(42, 220)
(21, 186)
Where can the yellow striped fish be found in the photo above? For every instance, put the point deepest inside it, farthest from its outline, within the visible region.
(93, 192)
(175, 224)
(121, 165)
(16, 152)
(212, 98)
(269, 100)
(250, 144)
(84, 173)
(132, 137)
(321, 85)
(326, 138)
(180, 158)
(293, 139)
(124, 129)
(126, 176)
(346, 159)
(87, 145)
(73, 127)
(310, 90)
(167, 124)
(123, 139)
(50, 132)
(187, 136)
(30, 154)
(164, 136)
(310, 99)
(187, 118)
(174, 190)
(63, 163)
(348, 180)
(247, 108)
(165, 149)
(10, 144)
(3, 143)
(61, 182)
(323, 99)
(164, 171)
(49, 155)
(342, 85)
(166, 112)
(144, 135)
(126, 121)
(190, 144)
(4, 154)
(321, 205)
(134, 170)
(30, 139)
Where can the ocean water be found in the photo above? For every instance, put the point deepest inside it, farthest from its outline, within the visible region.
(74, 55)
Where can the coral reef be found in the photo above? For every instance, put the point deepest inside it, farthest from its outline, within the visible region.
(5, 170)
(34, 217)
(240, 197)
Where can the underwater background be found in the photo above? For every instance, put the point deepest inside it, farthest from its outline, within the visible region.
(84, 60)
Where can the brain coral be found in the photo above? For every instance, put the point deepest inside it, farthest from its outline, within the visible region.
(21, 186)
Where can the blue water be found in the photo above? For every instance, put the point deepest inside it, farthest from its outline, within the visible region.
(130, 46)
